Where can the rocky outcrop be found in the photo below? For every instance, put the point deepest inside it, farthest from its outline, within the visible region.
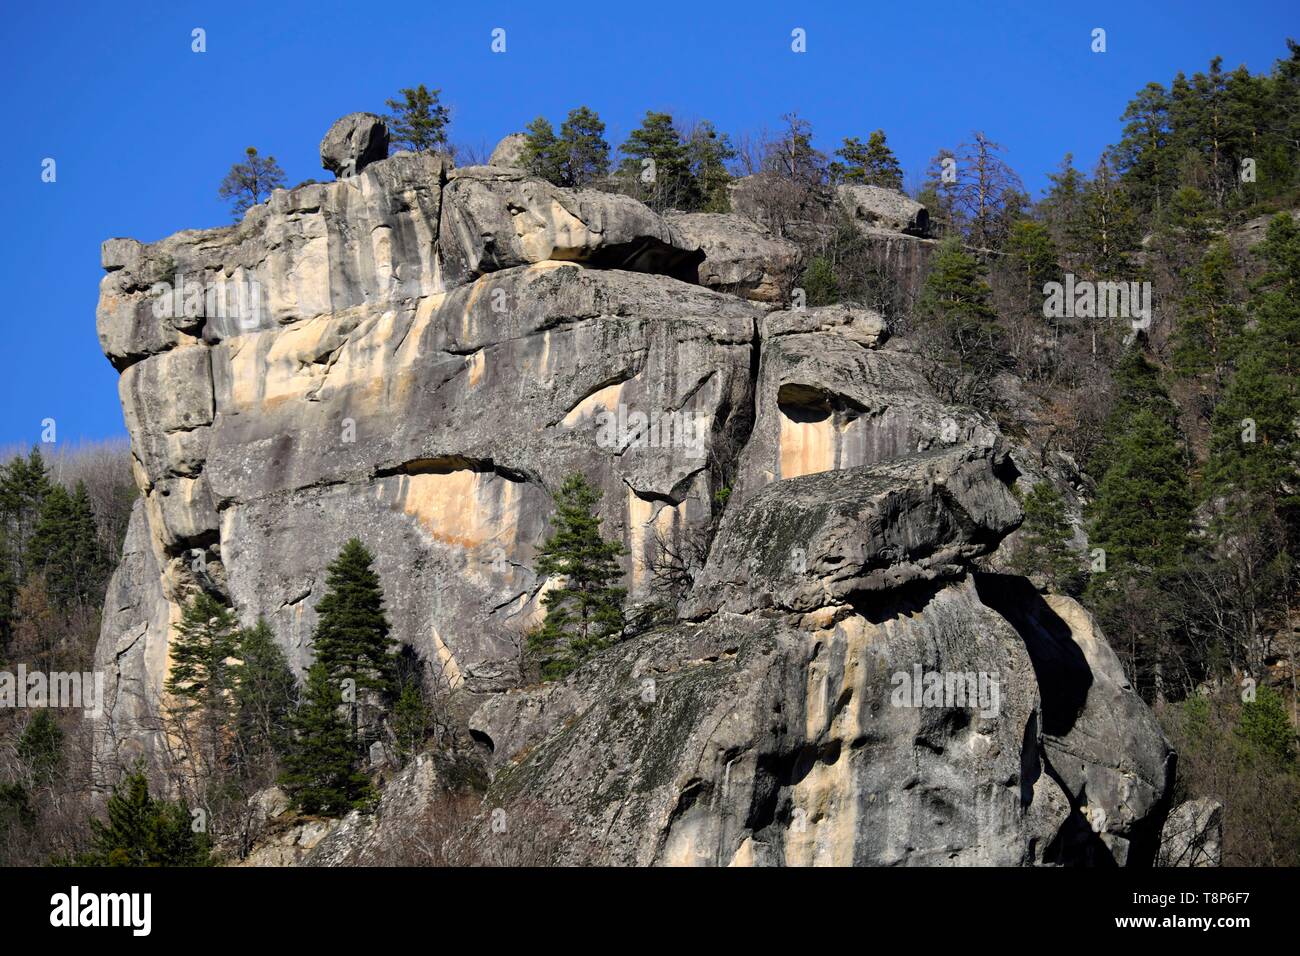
(740, 256)
(353, 143)
(879, 209)
(510, 151)
(894, 244)
(814, 541)
(1193, 835)
(418, 355)
(846, 693)
(832, 394)
(497, 218)
(132, 649)
(745, 741)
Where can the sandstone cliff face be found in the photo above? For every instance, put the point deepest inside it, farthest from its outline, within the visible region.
(434, 349)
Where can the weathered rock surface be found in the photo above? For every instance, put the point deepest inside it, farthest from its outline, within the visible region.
(740, 256)
(290, 842)
(419, 355)
(819, 540)
(132, 649)
(1193, 834)
(497, 218)
(510, 151)
(873, 207)
(747, 741)
(830, 394)
(353, 143)
(894, 229)
(432, 351)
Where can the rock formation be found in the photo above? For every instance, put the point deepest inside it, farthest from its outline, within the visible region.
(740, 256)
(418, 355)
(353, 143)
(883, 209)
(510, 151)
(1193, 835)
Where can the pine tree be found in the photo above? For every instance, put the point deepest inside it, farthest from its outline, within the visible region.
(200, 683)
(1062, 210)
(1183, 230)
(320, 771)
(584, 611)
(41, 747)
(709, 152)
(411, 720)
(1210, 322)
(1144, 157)
(200, 673)
(987, 195)
(89, 566)
(418, 122)
(352, 635)
(1135, 384)
(50, 544)
(24, 486)
(65, 547)
(1252, 477)
(1218, 119)
(1108, 229)
(939, 193)
(1265, 730)
(1143, 506)
(658, 164)
(793, 158)
(1032, 256)
(142, 831)
(583, 148)
(266, 693)
(542, 155)
(960, 325)
(819, 282)
(1029, 263)
(1045, 554)
(1140, 523)
(1254, 466)
(871, 163)
(250, 182)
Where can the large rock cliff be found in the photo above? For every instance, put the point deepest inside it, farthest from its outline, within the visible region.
(418, 355)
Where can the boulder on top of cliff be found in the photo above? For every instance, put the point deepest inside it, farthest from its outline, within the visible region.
(879, 209)
(820, 540)
(811, 210)
(740, 256)
(495, 218)
(510, 151)
(846, 320)
(353, 143)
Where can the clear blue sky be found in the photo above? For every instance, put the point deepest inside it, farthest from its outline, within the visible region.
(143, 129)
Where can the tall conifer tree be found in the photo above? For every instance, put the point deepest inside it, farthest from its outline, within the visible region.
(352, 636)
(320, 771)
(584, 612)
